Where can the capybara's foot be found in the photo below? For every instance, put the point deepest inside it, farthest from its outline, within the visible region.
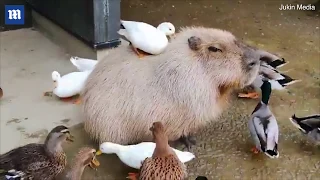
(254, 150)
(194, 43)
(188, 141)
(133, 176)
(252, 95)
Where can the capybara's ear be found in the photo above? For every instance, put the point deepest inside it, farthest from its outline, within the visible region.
(194, 43)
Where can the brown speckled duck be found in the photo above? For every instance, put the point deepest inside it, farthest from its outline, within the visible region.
(85, 157)
(39, 161)
(164, 164)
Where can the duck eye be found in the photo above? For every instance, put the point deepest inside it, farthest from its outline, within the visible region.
(214, 49)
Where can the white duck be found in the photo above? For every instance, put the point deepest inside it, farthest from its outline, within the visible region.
(146, 37)
(263, 125)
(83, 64)
(268, 70)
(70, 84)
(134, 155)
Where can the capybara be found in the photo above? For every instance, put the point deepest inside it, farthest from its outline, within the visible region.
(185, 87)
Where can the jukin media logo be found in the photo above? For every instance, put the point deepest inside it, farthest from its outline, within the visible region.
(14, 14)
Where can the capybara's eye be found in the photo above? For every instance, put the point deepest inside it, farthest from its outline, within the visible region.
(252, 64)
(214, 49)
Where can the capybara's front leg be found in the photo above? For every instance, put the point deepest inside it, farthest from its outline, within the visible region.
(188, 141)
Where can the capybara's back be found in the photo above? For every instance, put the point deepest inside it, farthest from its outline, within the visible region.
(185, 87)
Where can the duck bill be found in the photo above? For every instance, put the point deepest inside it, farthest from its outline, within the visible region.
(94, 163)
(98, 153)
(70, 138)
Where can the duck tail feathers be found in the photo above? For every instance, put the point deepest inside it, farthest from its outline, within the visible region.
(187, 156)
(278, 63)
(55, 76)
(287, 80)
(272, 153)
(296, 123)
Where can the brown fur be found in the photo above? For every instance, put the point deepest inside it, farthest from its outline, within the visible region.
(185, 89)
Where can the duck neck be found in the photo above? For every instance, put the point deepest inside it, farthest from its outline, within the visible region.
(266, 92)
(76, 171)
(162, 145)
(53, 147)
(161, 28)
(115, 148)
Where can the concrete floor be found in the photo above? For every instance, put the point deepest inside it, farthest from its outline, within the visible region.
(28, 58)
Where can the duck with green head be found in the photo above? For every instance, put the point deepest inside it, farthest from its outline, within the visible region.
(263, 125)
(39, 161)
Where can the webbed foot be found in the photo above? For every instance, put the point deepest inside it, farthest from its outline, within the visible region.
(252, 95)
(254, 150)
(133, 176)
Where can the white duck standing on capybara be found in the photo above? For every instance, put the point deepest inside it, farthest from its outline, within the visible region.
(185, 88)
(145, 37)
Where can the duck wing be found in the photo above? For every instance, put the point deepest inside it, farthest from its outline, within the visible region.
(312, 121)
(272, 132)
(258, 133)
(20, 158)
(137, 29)
(31, 159)
(165, 167)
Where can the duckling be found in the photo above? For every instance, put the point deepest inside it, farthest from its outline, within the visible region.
(39, 161)
(133, 155)
(83, 64)
(267, 70)
(164, 163)
(85, 157)
(69, 85)
(146, 37)
(309, 125)
(263, 125)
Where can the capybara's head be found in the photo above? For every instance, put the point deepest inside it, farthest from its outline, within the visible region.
(223, 56)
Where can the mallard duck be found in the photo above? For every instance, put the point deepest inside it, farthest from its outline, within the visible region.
(263, 125)
(309, 125)
(133, 155)
(268, 65)
(85, 157)
(83, 64)
(146, 37)
(70, 84)
(39, 161)
(164, 163)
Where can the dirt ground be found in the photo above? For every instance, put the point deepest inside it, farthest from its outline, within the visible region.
(223, 148)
